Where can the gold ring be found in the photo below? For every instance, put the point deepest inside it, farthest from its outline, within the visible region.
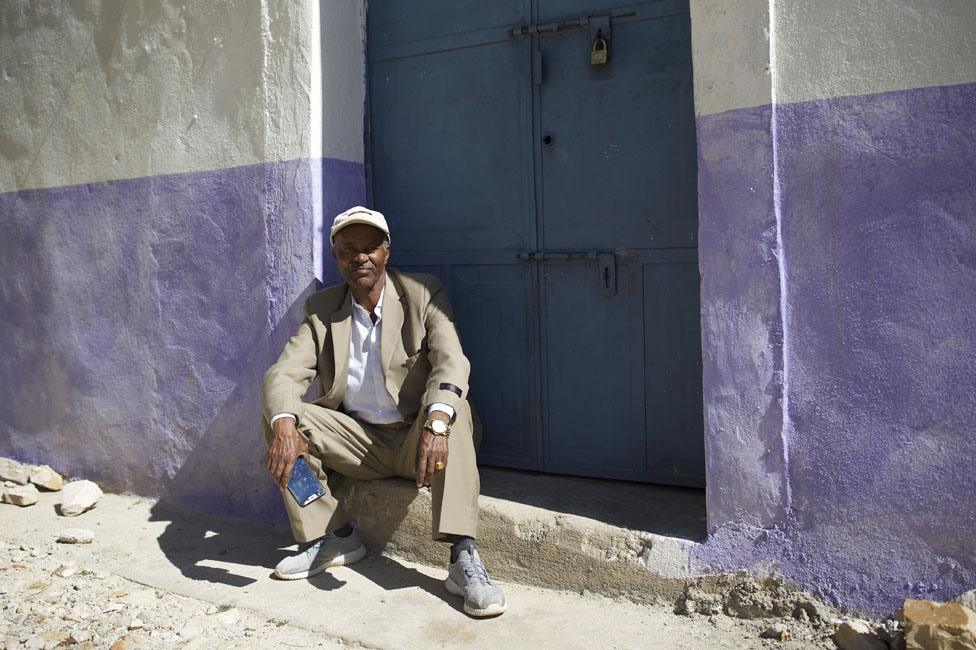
(439, 466)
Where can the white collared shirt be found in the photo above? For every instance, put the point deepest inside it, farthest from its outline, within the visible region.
(366, 395)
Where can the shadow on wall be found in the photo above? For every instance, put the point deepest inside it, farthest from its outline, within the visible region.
(223, 489)
(224, 475)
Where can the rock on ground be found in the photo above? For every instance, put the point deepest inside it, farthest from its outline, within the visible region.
(79, 496)
(43, 608)
(935, 626)
(22, 495)
(857, 635)
(698, 601)
(745, 597)
(229, 617)
(11, 470)
(76, 536)
(777, 632)
(47, 478)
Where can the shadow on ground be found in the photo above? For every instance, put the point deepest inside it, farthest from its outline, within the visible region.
(206, 548)
(659, 509)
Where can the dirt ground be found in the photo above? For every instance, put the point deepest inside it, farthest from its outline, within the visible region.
(154, 579)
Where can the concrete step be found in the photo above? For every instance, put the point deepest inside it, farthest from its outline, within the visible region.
(613, 538)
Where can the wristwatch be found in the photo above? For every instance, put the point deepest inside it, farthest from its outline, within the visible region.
(438, 427)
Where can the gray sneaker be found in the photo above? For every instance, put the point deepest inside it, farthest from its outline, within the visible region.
(467, 577)
(320, 555)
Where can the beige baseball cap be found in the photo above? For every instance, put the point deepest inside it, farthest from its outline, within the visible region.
(359, 214)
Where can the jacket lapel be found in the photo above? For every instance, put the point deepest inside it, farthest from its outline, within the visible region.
(340, 326)
(392, 324)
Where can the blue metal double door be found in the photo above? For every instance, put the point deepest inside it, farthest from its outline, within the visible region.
(557, 201)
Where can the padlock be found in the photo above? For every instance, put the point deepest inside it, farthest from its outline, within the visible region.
(598, 55)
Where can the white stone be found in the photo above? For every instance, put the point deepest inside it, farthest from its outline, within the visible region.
(11, 470)
(231, 617)
(143, 598)
(79, 635)
(66, 570)
(79, 496)
(76, 536)
(22, 495)
(777, 632)
(47, 478)
(857, 635)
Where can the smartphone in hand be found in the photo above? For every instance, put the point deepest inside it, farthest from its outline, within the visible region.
(304, 486)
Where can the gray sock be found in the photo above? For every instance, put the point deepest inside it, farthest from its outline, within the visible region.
(462, 544)
(343, 531)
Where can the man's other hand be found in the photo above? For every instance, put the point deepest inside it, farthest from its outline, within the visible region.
(285, 449)
(431, 450)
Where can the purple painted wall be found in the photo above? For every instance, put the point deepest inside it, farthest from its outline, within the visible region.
(137, 317)
(877, 205)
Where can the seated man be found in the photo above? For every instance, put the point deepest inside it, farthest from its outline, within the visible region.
(394, 403)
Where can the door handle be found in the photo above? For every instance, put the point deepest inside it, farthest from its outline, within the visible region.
(606, 264)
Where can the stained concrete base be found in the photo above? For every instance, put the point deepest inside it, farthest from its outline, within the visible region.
(607, 537)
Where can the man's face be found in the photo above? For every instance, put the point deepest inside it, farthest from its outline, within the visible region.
(360, 255)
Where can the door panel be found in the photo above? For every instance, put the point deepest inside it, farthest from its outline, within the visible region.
(673, 366)
(450, 123)
(619, 176)
(491, 304)
(620, 169)
(447, 143)
(592, 427)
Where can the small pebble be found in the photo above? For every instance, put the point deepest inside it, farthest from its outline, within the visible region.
(79, 635)
(76, 536)
(66, 571)
(777, 631)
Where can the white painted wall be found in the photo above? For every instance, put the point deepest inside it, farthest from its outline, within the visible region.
(833, 48)
(730, 54)
(94, 91)
(827, 48)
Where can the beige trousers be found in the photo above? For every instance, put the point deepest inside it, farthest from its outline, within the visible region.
(340, 443)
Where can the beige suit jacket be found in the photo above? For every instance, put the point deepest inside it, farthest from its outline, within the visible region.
(420, 350)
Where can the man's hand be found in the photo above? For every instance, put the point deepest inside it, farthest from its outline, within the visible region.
(431, 450)
(285, 449)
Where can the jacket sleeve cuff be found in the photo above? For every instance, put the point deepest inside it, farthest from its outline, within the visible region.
(290, 406)
(442, 397)
(443, 408)
(283, 415)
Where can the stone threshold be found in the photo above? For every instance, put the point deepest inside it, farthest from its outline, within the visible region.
(613, 538)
